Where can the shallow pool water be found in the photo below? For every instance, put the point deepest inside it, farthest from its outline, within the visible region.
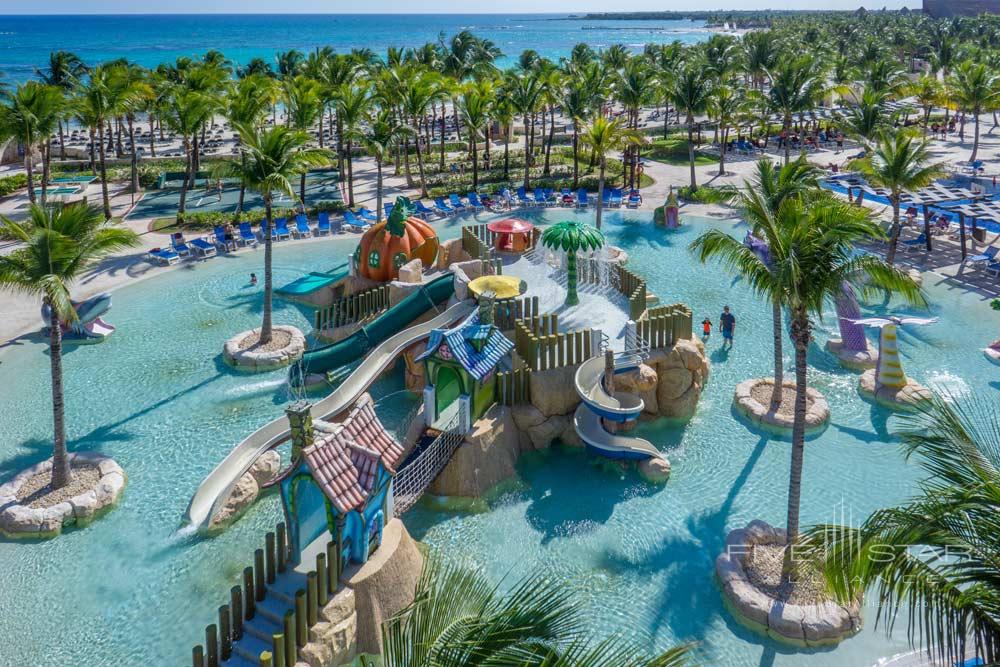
(129, 590)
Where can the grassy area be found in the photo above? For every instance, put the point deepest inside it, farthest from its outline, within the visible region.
(674, 151)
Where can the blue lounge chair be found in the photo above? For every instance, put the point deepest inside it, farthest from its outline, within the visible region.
(281, 229)
(616, 198)
(179, 245)
(994, 268)
(456, 202)
(367, 214)
(634, 199)
(219, 234)
(549, 195)
(302, 226)
(203, 247)
(422, 210)
(540, 199)
(322, 223)
(606, 198)
(164, 257)
(524, 198)
(917, 243)
(988, 256)
(581, 198)
(247, 237)
(474, 201)
(566, 197)
(354, 223)
(443, 207)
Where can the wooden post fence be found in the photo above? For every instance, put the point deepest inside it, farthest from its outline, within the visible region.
(353, 308)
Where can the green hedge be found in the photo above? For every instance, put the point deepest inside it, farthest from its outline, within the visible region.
(706, 194)
(11, 184)
(207, 221)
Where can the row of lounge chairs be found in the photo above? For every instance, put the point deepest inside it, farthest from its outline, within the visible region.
(541, 197)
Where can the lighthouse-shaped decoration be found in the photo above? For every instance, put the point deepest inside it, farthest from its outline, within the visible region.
(887, 384)
(852, 348)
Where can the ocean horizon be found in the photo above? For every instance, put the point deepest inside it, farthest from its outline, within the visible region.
(151, 39)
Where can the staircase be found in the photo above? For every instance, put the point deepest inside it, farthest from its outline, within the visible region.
(268, 620)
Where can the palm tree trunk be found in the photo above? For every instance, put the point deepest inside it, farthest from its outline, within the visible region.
(406, 162)
(93, 166)
(135, 156)
(552, 136)
(350, 176)
(800, 333)
(29, 170)
(104, 174)
(62, 142)
(475, 161)
(265, 326)
(302, 190)
(182, 204)
(443, 122)
(779, 361)
(722, 152)
(378, 190)
(340, 145)
(152, 138)
(890, 256)
(576, 165)
(527, 153)
(46, 171)
(486, 148)
(321, 129)
(600, 192)
(61, 473)
(420, 166)
(788, 144)
(506, 155)
(690, 124)
(975, 143)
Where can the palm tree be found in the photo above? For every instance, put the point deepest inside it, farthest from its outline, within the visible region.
(383, 135)
(474, 104)
(304, 105)
(691, 94)
(129, 91)
(64, 71)
(58, 245)
(30, 116)
(185, 113)
(458, 617)
(634, 90)
(571, 237)
(727, 105)
(812, 258)
(927, 91)
(603, 136)
(975, 88)
(759, 202)
(936, 555)
(868, 118)
(418, 94)
(271, 158)
(353, 106)
(95, 104)
(247, 104)
(797, 84)
(576, 106)
(899, 162)
(525, 92)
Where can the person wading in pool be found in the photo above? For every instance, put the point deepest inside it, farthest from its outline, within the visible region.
(727, 324)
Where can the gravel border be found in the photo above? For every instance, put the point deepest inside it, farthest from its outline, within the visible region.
(21, 521)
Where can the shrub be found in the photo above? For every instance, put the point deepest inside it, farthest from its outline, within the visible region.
(706, 195)
(11, 184)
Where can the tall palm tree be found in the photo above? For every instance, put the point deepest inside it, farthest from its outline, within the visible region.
(899, 162)
(95, 105)
(383, 135)
(759, 202)
(30, 116)
(869, 117)
(634, 91)
(691, 94)
(603, 136)
(185, 113)
(304, 106)
(129, 90)
(57, 245)
(525, 93)
(419, 93)
(474, 105)
(354, 104)
(247, 103)
(975, 88)
(727, 105)
(797, 84)
(934, 558)
(272, 158)
(576, 106)
(812, 258)
(458, 617)
(64, 71)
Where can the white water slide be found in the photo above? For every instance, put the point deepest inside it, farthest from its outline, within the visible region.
(215, 489)
(596, 404)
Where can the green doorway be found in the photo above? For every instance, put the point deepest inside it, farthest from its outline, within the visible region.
(447, 389)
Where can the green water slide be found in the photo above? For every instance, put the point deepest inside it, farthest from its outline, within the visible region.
(395, 319)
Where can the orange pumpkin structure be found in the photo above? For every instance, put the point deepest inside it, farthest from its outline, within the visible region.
(389, 245)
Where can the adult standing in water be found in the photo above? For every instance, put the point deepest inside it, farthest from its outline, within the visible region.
(727, 324)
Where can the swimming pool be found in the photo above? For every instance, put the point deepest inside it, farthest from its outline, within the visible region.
(129, 590)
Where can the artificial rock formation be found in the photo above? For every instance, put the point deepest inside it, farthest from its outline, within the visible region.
(905, 398)
(820, 624)
(246, 491)
(21, 521)
(817, 408)
(484, 459)
(253, 359)
(682, 372)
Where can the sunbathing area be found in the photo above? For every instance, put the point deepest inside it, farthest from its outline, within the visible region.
(336, 357)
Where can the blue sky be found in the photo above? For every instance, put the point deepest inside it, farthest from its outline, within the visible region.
(408, 6)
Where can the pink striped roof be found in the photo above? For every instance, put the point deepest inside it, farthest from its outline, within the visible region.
(345, 462)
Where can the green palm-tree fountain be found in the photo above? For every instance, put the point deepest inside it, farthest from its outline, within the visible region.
(571, 237)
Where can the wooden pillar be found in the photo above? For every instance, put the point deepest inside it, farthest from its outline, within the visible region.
(236, 605)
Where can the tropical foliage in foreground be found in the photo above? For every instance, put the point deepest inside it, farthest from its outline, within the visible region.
(935, 560)
(459, 618)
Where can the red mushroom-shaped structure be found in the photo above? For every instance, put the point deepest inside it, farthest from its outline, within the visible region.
(512, 234)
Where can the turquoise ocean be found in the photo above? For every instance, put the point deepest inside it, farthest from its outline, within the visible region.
(26, 41)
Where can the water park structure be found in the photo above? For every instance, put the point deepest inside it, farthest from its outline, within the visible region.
(89, 326)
